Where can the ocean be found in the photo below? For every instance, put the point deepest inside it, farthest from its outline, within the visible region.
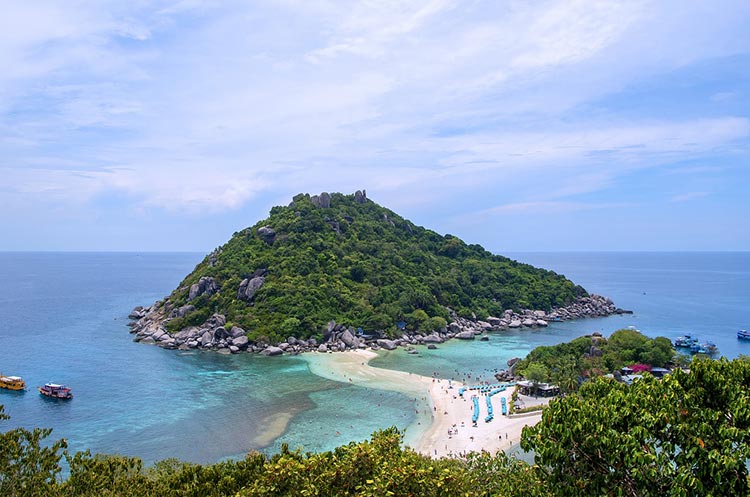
(63, 318)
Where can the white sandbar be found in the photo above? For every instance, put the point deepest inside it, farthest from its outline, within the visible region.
(442, 410)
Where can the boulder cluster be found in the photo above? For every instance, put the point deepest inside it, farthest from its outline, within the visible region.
(212, 334)
(148, 326)
(509, 374)
(205, 286)
(250, 286)
(584, 307)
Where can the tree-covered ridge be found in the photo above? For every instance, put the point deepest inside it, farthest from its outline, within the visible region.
(566, 364)
(346, 258)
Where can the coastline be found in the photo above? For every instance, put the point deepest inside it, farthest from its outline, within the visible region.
(149, 327)
(97, 351)
(443, 426)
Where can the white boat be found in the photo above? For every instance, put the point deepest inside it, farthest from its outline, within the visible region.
(56, 391)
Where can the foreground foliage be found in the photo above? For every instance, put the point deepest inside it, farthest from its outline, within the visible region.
(687, 434)
(362, 265)
(372, 468)
(27, 466)
(684, 435)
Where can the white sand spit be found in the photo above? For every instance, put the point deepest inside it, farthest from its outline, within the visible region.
(443, 426)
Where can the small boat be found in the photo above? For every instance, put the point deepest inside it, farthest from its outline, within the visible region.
(710, 347)
(743, 335)
(707, 348)
(686, 341)
(56, 391)
(12, 382)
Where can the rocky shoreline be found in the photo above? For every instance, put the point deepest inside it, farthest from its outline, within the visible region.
(148, 326)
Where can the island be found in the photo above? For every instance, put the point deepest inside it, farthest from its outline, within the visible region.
(335, 272)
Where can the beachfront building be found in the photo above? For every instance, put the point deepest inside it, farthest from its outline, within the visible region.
(659, 372)
(655, 372)
(527, 387)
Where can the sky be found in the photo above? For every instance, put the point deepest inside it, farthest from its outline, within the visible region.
(168, 125)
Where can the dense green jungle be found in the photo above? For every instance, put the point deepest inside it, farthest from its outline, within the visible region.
(346, 258)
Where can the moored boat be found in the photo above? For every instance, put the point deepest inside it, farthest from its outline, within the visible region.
(55, 391)
(743, 335)
(686, 341)
(706, 348)
(12, 382)
(710, 347)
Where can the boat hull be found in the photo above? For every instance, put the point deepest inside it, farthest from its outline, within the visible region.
(62, 393)
(686, 341)
(12, 383)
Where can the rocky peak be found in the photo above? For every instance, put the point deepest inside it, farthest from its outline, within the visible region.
(323, 200)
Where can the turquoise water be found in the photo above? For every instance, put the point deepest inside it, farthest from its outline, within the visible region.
(706, 294)
(64, 319)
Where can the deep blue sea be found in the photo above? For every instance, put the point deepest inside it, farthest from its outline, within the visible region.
(63, 318)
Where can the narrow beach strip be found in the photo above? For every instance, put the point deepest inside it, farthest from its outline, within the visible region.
(352, 367)
(443, 426)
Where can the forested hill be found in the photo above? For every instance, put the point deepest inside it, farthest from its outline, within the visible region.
(346, 258)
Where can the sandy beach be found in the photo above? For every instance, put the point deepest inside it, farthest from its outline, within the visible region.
(443, 426)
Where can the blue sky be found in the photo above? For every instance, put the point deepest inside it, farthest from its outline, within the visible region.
(522, 126)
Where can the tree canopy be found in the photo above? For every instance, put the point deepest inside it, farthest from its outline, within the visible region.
(566, 364)
(377, 467)
(686, 434)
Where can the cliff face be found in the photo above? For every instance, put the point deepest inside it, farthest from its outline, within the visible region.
(333, 258)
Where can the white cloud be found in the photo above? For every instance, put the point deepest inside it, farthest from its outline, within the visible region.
(575, 30)
(685, 197)
(371, 29)
(724, 96)
(200, 105)
(549, 207)
(624, 145)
